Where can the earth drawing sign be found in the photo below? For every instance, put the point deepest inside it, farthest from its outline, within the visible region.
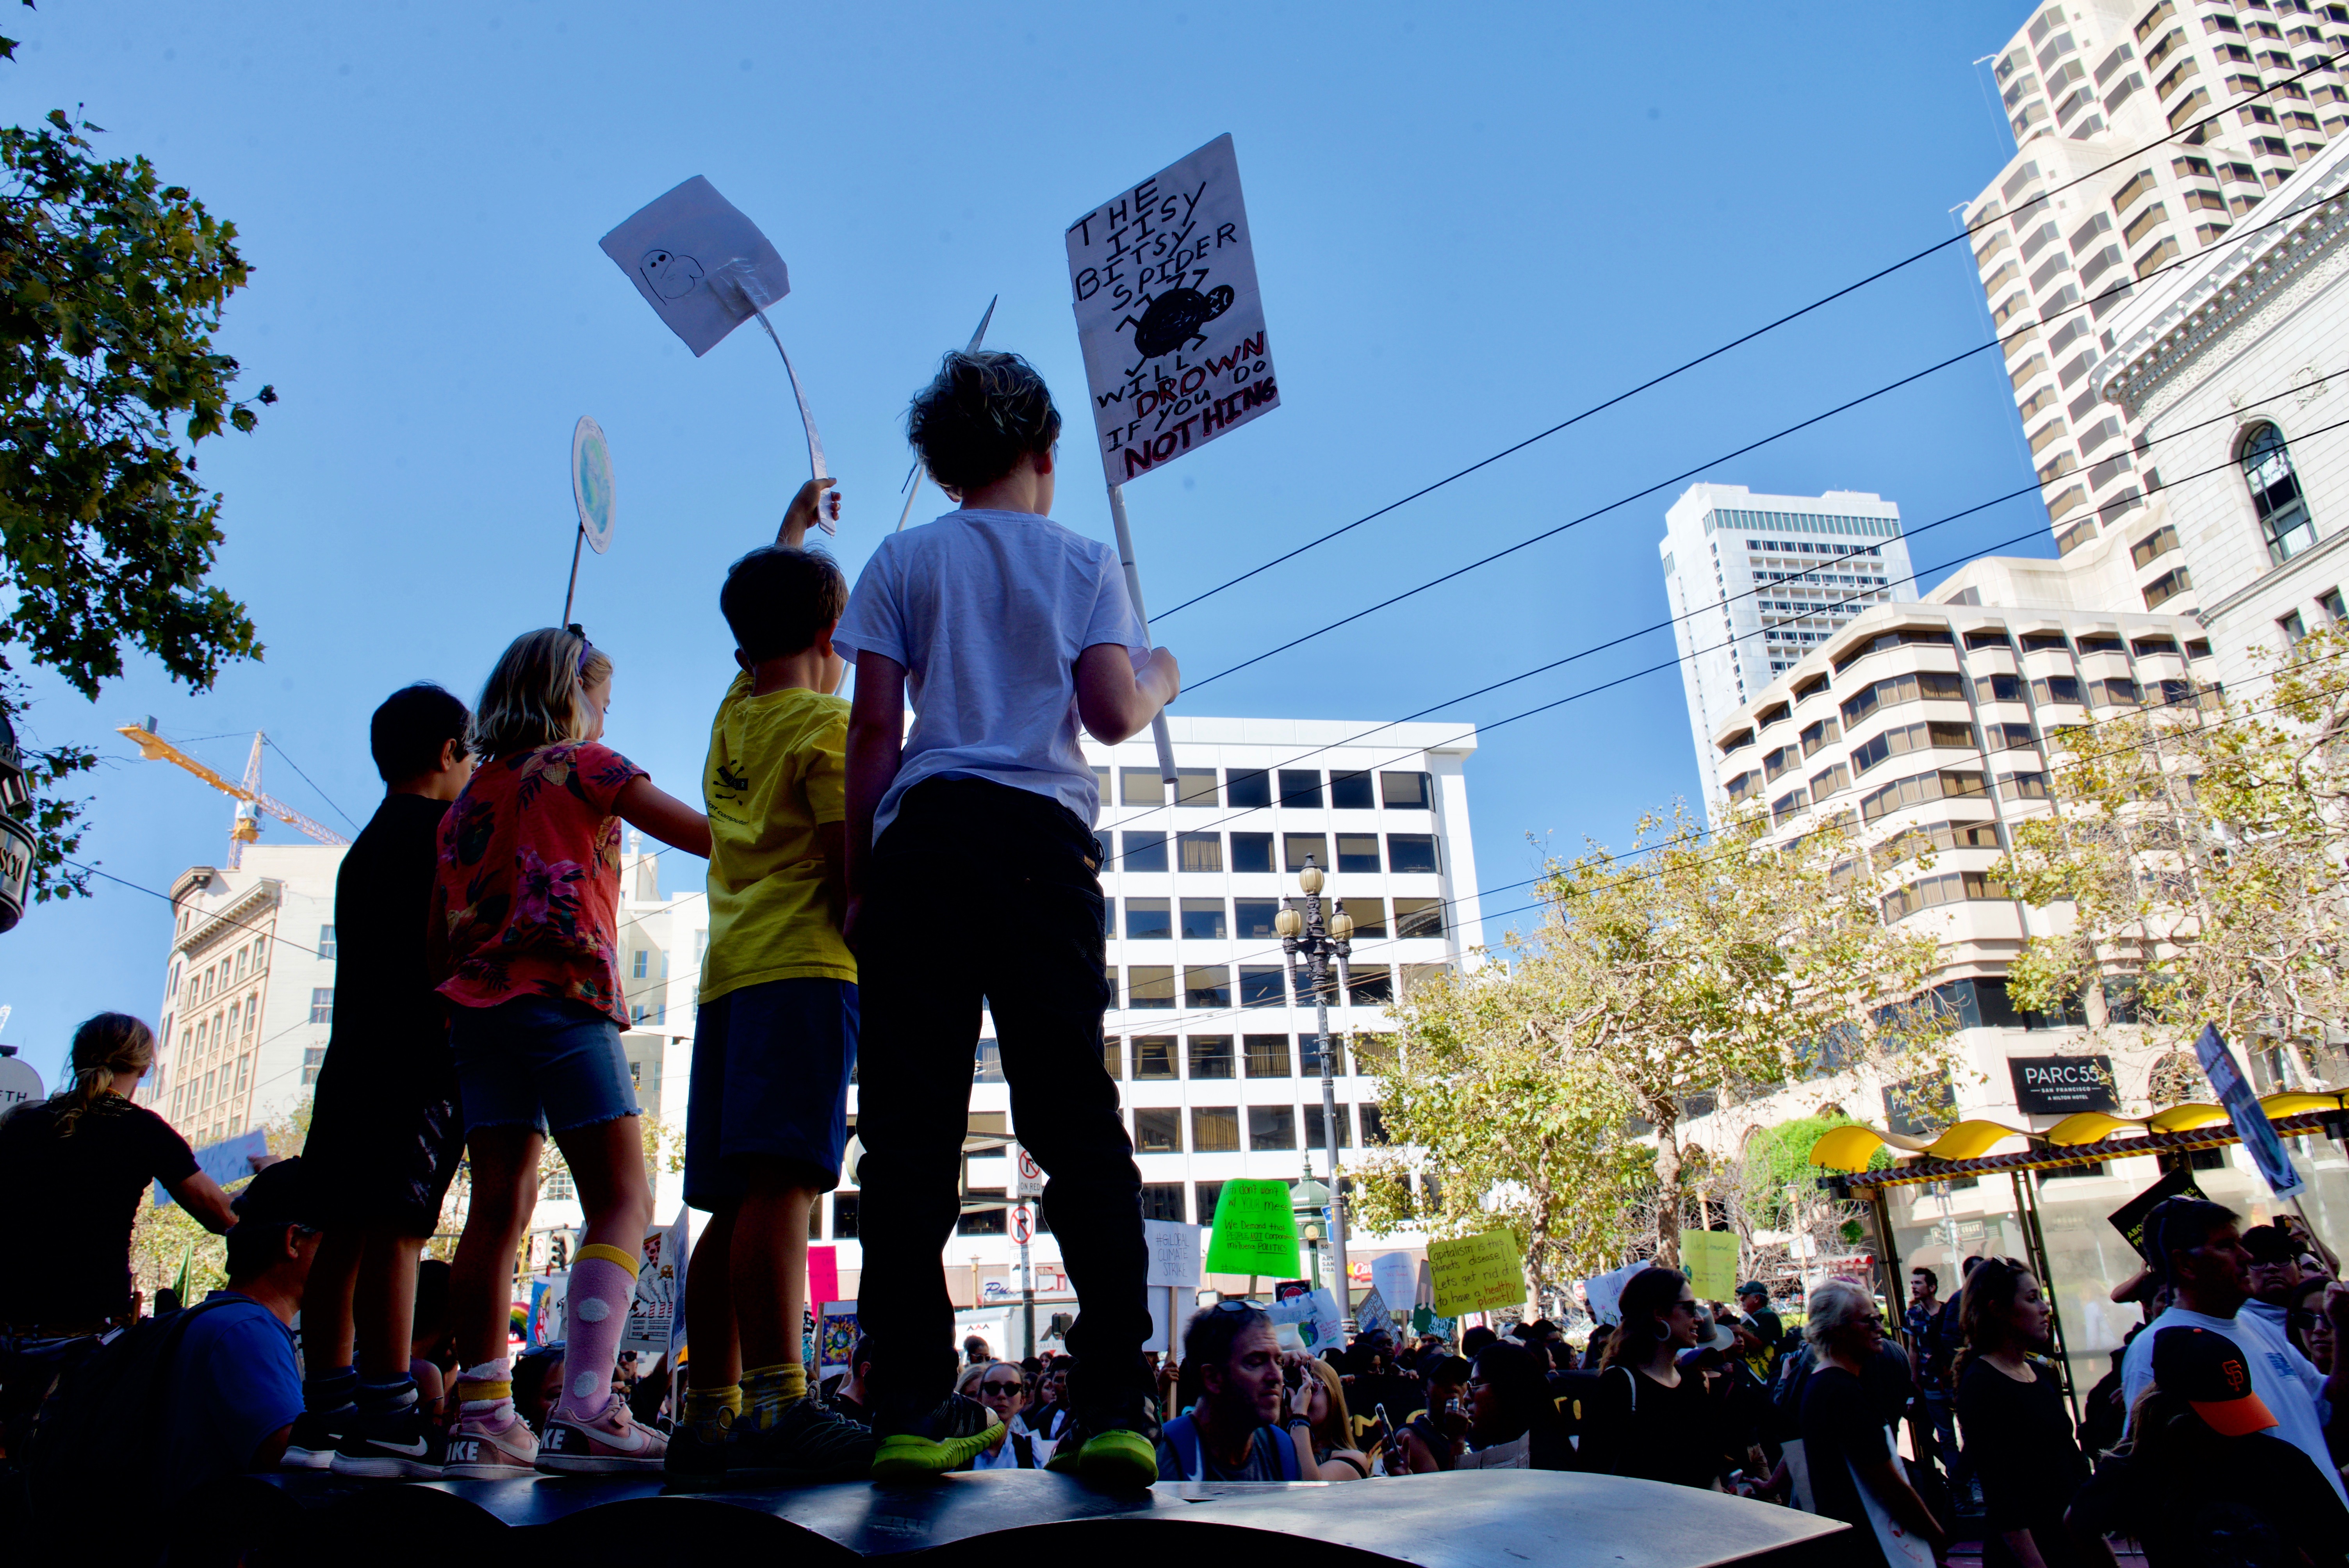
(1163, 279)
(591, 483)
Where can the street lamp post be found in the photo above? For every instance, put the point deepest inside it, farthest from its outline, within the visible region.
(1303, 933)
(1307, 1201)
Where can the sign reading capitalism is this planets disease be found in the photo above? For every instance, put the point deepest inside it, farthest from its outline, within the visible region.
(1164, 277)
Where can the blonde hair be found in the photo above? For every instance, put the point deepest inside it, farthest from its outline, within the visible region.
(107, 1047)
(535, 695)
(1339, 1416)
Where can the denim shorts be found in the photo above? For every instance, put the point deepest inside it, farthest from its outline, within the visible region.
(770, 1069)
(539, 1062)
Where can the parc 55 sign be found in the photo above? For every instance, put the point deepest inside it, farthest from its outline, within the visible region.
(2059, 1086)
(1163, 279)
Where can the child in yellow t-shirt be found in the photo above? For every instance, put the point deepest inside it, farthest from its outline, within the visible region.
(775, 1040)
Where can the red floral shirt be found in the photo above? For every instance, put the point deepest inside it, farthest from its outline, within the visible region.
(528, 885)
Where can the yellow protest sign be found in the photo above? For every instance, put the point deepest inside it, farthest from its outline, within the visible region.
(1254, 1230)
(1477, 1272)
(1712, 1260)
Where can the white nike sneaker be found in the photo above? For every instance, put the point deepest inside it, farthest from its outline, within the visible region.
(609, 1443)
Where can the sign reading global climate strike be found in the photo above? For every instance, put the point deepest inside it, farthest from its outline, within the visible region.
(1164, 280)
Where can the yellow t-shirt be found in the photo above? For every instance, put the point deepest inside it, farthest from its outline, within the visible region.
(777, 769)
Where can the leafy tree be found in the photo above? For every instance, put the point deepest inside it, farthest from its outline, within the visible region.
(2203, 843)
(111, 288)
(1682, 968)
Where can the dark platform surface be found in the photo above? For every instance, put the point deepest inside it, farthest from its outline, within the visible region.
(1459, 1520)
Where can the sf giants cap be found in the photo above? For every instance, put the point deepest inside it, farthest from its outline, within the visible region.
(2209, 1371)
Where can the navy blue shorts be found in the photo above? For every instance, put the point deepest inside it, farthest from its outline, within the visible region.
(771, 1068)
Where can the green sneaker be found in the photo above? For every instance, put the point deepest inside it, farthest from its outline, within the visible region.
(1118, 1458)
(947, 1439)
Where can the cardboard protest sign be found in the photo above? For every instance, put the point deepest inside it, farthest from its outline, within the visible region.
(1712, 1260)
(1395, 1278)
(822, 1274)
(228, 1162)
(660, 1289)
(1477, 1272)
(2251, 1123)
(1314, 1315)
(2130, 1217)
(838, 1337)
(1173, 1253)
(700, 262)
(1164, 280)
(1255, 1232)
(1371, 1312)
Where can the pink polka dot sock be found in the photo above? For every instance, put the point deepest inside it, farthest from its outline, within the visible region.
(595, 1313)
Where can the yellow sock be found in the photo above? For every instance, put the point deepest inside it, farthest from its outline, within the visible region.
(772, 1390)
(703, 1403)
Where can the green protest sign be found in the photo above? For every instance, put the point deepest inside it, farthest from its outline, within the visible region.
(1255, 1232)
(1477, 1272)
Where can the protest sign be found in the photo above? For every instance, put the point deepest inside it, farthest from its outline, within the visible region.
(591, 483)
(1173, 1253)
(546, 1298)
(838, 1339)
(19, 1082)
(1164, 280)
(228, 1162)
(700, 262)
(2130, 1217)
(822, 1273)
(1395, 1280)
(660, 1289)
(1712, 1260)
(2251, 1124)
(1603, 1293)
(1255, 1232)
(1477, 1272)
(1314, 1316)
(1372, 1311)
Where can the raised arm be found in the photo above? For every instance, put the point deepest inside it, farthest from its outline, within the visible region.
(201, 1197)
(643, 804)
(876, 742)
(1114, 698)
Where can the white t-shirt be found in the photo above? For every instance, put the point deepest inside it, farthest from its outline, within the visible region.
(2286, 1382)
(988, 612)
(1007, 1454)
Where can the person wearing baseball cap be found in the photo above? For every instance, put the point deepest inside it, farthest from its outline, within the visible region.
(2195, 1248)
(2201, 1477)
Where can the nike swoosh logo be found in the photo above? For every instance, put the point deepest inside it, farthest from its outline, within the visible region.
(414, 1451)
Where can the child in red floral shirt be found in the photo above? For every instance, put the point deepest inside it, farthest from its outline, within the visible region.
(522, 944)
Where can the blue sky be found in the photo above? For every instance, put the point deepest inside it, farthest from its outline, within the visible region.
(1467, 227)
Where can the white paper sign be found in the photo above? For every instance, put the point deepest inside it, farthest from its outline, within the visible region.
(1164, 280)
(1372, 1312)
(591, 482)
(1314, 1317)
(1392, 1276)
(700, 262)
(19, 1083)
(1173, 1253)
(660, 1289)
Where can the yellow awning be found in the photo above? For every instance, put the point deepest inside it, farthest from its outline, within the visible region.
(1850, 1147)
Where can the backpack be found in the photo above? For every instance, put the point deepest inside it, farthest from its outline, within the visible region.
(1182, 1435)
(103, 1422)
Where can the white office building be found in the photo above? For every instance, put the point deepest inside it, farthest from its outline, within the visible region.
(2084, 83)
(1756, 581)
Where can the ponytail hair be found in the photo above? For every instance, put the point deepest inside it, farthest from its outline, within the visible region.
(536, 694)
(107, 1047)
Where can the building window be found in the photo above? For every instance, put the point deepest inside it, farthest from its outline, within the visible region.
(641, 964)
(2168, 586)
(1262, 986)
(1253, 917)
(1210, 987)
(1114, 1055)
(1158, 1131)
(1271, 1126)
(1247, 790)
(1308, 1052)
(1374, 1125)
(1149, 920)
(1268, 1056)
(986, 1064)
(2290, 623)
(313, 1057)
(1208, 1193)
(1141, 851)
(558, 1183)
(1202, 920)
(1154, 1056)
(985, 1221)
(1370, 914)
(1150, 986)
(326, 945)
(1301, 787)
(322, 1004)
(2330, 602)
(1314, 1137)
(1405, 791)
(1211, 1056)
(1296, 847)
(1199, 851)
(1359, 852)
(1252, 851)
(1366, 986)
(1195, 786)
(2275, 493)
(1215, 1129)
(1351, 792)
(1162, 1201)
(1418, 917)
(1410, 853)
(846, 1218)
(1140, 787)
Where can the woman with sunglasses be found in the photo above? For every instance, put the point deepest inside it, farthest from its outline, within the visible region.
(1648, 1418)
(1848, 1451)
(1002, 1388)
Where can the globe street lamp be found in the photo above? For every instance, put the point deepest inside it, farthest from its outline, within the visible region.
(1302, 933)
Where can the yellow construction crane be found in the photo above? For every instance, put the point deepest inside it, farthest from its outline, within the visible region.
(245, 826)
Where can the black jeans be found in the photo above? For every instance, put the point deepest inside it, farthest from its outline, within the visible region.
(980, 891)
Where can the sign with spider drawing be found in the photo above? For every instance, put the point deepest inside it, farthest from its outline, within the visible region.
(1164, 281)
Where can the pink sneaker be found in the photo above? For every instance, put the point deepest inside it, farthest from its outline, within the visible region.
(607, 1443)
(481, 1451)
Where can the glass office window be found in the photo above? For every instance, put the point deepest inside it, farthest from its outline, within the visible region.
(1162, 1201)
(1351, 792)
(1296, 847)
(1313, 1138)
(1150, 986)
(1211, 1056)
(1271, 1126)
(1202, 920)
(1158, 1131)
(1266, 1055)
(1153, 1056)
(1251, 852)
(1247, 789)
(1263, 986)
(1300, 786)
(1149, 920)
(1370, 914)
(1141, 851)
(1207, 986)
(1215, 1129)
(1359, 852)
(1195, 786)
(1199, 851)
(1252, 918)
(1408, 853)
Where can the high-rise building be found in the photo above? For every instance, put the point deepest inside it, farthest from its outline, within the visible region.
(1756, 581)
(2087, 83)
